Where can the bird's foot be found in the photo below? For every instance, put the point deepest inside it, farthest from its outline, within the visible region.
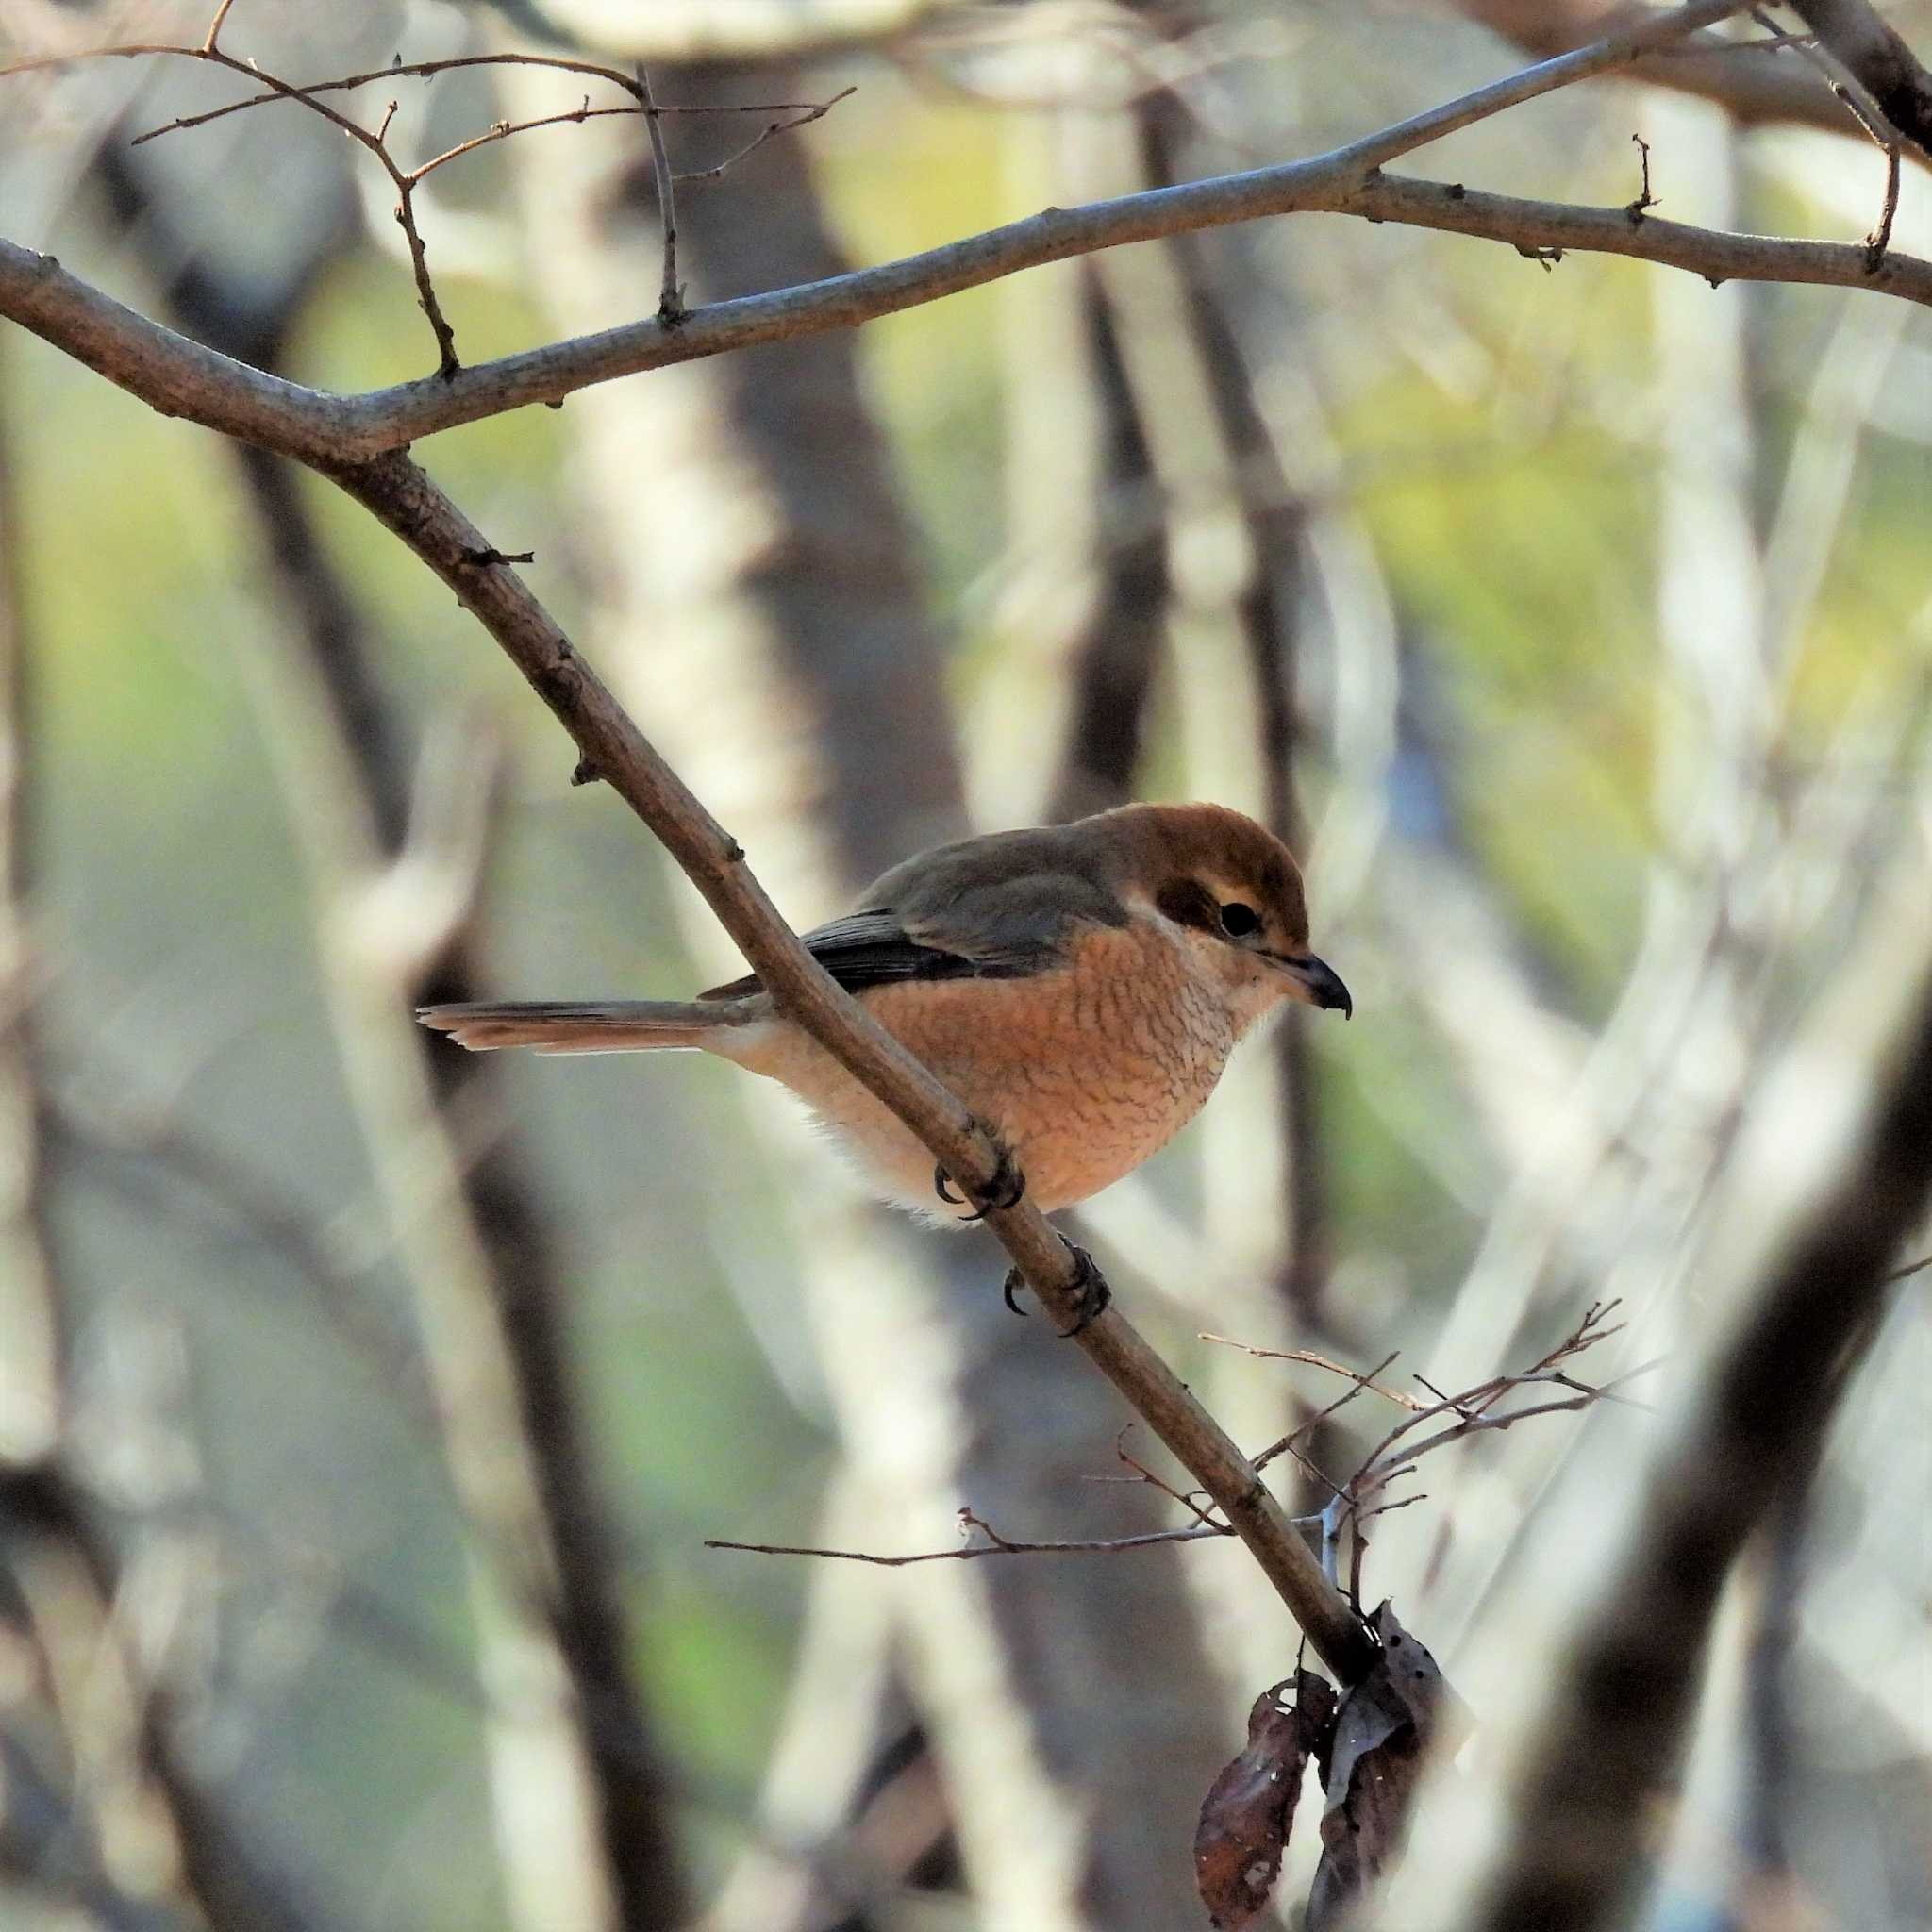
(1091, 1290)
(1005, 1190)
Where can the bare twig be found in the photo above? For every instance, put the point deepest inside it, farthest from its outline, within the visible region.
(996, 1545)
(1645, 200)
(420, 70)
(406, 181)
(1658, 29)
(1142, 1473)
(803, 118)
(1377, 1475)
(1888, 70)
(1320, 1362)
(670, 309)
(1851, 91)
(1879, 240)
(333, 429)
(1474, 1409)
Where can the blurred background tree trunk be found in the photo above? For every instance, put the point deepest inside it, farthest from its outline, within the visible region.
(762, 605)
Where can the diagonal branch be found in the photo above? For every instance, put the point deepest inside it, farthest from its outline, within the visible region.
(403, 499)
(1888, 70)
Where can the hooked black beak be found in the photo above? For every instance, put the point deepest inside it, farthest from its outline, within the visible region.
(1323, 983)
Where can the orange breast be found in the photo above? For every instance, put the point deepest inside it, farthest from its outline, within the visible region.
(1085, 1072)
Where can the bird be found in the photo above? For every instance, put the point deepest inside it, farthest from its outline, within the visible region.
(1079, 986)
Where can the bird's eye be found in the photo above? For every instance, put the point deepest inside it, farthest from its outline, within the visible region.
(1238, 921)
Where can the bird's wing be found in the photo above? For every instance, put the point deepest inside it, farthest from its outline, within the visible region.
(864, 949)
(880, 946)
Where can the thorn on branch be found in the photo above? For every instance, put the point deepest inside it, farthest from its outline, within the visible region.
(1545, 258)
(487, 557)
(1646, 199)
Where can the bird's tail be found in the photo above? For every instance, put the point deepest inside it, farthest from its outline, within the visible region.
(585, 1025)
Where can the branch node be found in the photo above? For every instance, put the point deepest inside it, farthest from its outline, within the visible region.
(489, 556)
(585, 773)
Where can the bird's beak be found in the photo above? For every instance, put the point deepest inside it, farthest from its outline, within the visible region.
(1317, 982)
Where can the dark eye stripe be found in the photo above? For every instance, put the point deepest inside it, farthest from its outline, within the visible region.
(1188, 902)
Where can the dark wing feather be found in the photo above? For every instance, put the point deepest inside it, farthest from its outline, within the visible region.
(985, 909)
(872, 949)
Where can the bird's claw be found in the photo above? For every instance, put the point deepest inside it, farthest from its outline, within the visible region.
(1007, 1189)
(1090, 1291)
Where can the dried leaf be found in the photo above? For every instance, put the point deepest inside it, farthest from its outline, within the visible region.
(1245, 1816)
(1386, 1726)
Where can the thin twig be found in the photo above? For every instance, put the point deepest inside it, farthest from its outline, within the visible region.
(997, 1546)
(1879, 240)
(1320, 1362)
(328, 430)
(670, 309)
(1198, 1511)
(1859, 102)
(406, 181)
(416, 69)
(1645, 200)
(1360, 1384)
(1655, 31)
(502, 130)
(777, 127)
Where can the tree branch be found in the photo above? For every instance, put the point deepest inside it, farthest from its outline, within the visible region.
(1885, 66)
(354, 441)
(182, 378)
(401, 497)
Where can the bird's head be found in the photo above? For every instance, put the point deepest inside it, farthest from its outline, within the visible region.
(1234, 892)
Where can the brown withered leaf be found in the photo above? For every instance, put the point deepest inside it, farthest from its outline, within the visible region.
(1385, 1728)
(1245, 1816)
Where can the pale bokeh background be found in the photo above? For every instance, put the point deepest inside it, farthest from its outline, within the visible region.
(1603, 602)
